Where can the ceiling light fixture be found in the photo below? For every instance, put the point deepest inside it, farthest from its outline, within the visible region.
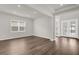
(18, 5)
(61, 4)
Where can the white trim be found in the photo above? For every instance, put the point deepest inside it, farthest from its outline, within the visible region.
(66, 9)
(18, 25)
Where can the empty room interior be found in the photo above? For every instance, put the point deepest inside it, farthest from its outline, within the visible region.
(39, 29)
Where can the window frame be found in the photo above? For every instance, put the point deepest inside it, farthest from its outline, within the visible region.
(18, 25)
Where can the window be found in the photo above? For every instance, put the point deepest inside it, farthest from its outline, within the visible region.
(17, 26)
(64, 28)
(73, 27)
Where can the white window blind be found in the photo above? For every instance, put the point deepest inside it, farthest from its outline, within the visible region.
(17, 26)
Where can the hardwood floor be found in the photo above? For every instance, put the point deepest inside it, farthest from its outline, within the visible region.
(33, 45)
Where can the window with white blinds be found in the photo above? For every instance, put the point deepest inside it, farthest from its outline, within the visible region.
(17, 26)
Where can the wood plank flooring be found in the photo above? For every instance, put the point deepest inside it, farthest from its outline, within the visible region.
(33, 45)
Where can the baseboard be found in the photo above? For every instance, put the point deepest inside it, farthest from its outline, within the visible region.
(52, 39)
(67, 37)
(15, 38)
(44, 38)
(26, 37)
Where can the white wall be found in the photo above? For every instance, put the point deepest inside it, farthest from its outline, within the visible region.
(43, 27)
(5, 32)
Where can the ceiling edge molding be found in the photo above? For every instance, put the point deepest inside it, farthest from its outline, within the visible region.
(14, 14)
(39, 11)
(66, 9)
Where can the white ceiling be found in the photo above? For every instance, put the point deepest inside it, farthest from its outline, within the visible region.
(23, 10)
(31, 10)
(47, 9)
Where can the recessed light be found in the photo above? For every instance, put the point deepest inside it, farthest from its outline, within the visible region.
(18, 5)
(61, 4)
